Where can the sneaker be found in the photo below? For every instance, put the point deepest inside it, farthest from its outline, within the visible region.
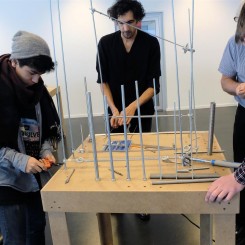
(240, 235)
(144, 217)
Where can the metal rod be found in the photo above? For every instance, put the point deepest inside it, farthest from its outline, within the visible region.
(57, 86)
(69, 176)
(81, 130)
(191, 31)
(211, 128)
(65, 80)
(98, 53)
(190, 122)
(140, 130)
(185, 176)
(218, 163)
(92, 135)
(125, 132)
(157, 128)
(109, 139)
(177, 78)
(185, 48)
(152, 116)
(183, 181)
(175, 141)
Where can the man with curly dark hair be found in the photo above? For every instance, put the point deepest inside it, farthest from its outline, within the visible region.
(126, 56)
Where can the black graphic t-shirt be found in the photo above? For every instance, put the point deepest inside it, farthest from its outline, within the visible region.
(30, 131)
(31, 136)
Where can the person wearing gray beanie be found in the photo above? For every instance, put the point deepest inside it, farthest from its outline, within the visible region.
(27, 45)
(29, 129)
(30, 50)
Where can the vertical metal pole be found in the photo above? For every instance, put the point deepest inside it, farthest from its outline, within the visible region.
(177, 79)
(109, 139)
(157, 130)
(98, 54)
(81, 130)
(191, 30)
(57, 85)
(92, 135)
(211, 128)
(85, 85)
(190, 121)
(140, 130)
(125, 132)
(65, 79)
(175, 142)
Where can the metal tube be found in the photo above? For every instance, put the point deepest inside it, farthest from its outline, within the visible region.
(191, 30)
(185, 176)
(98, 54)
(81, 130)
(109, 140)
(140, 130)
(157, 129)
(211, 128)
(183, 181)
(125, 132)
(218, 163)
(65, 80)
(92, 135)
(190, 122)
(175, 141)
(57, 85)
(177, 79)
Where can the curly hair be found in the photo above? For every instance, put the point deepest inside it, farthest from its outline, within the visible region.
(121, 7)
(240, 29)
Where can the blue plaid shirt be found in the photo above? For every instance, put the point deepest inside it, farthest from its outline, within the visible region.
(240, 174)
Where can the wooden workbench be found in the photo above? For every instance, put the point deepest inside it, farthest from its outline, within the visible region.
(85, 194)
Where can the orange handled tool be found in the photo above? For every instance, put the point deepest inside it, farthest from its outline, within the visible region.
(47, 163)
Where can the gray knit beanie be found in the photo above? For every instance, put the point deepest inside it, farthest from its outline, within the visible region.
(27, 45)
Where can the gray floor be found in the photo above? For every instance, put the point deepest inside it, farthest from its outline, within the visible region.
(161, 229)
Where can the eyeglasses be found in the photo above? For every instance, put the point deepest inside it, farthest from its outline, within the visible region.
(130, 22)
(236, 19)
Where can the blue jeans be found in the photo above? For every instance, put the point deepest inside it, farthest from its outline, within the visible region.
(23, 224)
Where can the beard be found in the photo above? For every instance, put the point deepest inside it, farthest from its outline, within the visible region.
(128, 34)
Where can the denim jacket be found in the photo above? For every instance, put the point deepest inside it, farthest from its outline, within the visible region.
(13, 163)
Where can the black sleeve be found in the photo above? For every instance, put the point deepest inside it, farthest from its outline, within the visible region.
(101, 62)
(154, 71)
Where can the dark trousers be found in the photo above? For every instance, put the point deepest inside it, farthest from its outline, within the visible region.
(239, 154)
(23, 224)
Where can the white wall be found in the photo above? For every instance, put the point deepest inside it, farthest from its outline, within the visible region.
(213, 26)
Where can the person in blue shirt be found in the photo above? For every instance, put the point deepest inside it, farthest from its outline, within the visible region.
(232, 68)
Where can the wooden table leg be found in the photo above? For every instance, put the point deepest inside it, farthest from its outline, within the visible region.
(59, 230)
(105, 229)
(224, 229)
(206, 229)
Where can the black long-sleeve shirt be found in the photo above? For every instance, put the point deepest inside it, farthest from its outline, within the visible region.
(119, 67)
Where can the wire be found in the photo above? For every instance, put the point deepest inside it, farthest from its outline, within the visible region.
(193, 223)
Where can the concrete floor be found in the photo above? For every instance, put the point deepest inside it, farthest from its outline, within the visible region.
(161, 229)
